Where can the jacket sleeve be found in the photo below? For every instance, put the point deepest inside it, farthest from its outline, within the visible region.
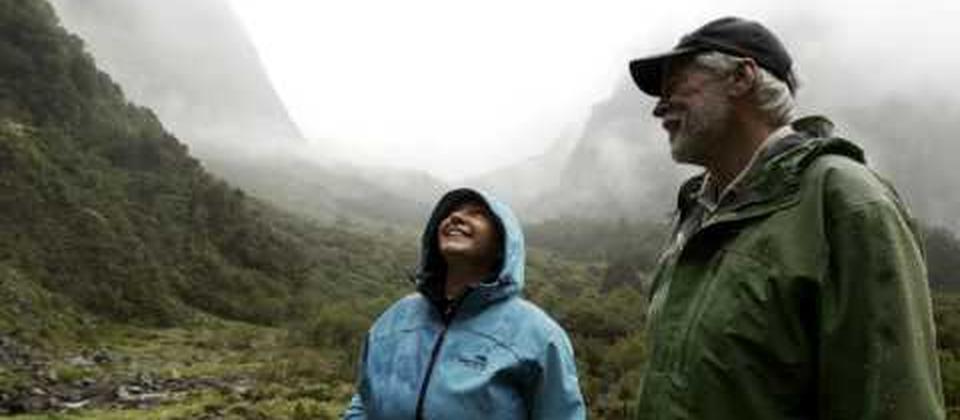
(877, 347)
(355, 410)
(557, 392)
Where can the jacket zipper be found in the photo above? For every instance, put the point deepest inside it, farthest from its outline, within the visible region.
(447, 319)
(700, 301)
(681, 357)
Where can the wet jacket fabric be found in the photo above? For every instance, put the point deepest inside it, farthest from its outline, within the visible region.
(802, 296)
(496, 356)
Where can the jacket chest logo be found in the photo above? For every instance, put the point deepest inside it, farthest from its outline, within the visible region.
(476, 362)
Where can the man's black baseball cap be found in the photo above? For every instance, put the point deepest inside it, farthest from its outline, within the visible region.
(730, 35)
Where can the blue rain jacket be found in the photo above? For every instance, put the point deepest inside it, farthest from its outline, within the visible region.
(497, 357)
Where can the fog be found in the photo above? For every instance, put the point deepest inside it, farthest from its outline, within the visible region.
(460, 89)
(192, 64)
(884, 76)
(531, 101)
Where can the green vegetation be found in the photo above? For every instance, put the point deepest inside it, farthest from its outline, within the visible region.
(605, 313)
(105, 208)
(135, 285)
(943, 264)
(211, 370)
(947, 317)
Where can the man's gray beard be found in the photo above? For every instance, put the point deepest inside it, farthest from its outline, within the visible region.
(701, 130)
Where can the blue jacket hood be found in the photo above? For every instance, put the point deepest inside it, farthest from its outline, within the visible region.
(495, 356)
(507, 281)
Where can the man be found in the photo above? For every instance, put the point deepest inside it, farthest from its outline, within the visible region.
(794, 285)
(467, 346)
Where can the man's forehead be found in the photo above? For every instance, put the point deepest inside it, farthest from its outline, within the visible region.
(681, 69)
(678, 65)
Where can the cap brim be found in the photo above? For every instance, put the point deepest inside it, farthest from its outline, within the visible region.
(647, 72)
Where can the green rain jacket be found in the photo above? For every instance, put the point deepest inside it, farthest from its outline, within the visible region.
(802, 296)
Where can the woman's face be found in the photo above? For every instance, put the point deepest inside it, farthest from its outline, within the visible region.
(469, 234)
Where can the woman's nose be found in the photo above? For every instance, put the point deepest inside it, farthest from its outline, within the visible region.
(455, 217)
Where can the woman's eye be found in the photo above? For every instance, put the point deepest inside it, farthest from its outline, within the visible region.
(480, 213)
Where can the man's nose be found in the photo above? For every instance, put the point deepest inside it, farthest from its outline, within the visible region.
(661, 108)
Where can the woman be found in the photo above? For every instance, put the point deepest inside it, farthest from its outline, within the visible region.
(466, 345)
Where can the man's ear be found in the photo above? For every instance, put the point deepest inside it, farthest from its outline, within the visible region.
(744, 77)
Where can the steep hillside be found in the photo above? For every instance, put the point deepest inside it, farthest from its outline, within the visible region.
(523, 184)
(105, 208)
(191, 62)
(617, 168)
(330, 192)
(223, 106)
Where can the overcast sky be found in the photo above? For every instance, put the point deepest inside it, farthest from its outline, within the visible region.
(457, 88)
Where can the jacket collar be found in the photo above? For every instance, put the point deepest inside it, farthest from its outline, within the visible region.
(710, 197)
(772, 182)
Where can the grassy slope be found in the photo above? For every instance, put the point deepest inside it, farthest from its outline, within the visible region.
(106, 215)
(306, 369)
(105, 208)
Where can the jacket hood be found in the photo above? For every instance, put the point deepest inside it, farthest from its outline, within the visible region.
(775, 178)
(504, 282)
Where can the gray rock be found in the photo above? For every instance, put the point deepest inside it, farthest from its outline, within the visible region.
(102, 356)
(80, 361)
(75, 405)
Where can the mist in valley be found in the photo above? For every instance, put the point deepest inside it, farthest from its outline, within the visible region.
(195, 66)
(196, 245)
(883, 81)
(887, 90)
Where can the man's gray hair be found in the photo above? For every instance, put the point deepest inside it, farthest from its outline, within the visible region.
(772, 95)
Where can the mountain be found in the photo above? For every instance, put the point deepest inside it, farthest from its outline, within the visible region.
(909, 139)
(620, 167)
(617, 168)
(194, 64)
(522, 184)
(106, 210)
(332, 192)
